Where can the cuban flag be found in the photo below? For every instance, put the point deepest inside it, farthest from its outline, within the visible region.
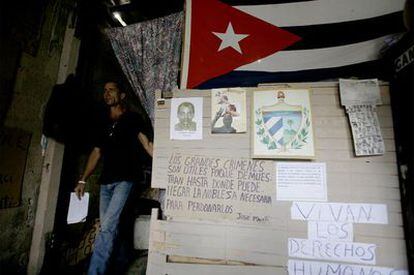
(243, 43)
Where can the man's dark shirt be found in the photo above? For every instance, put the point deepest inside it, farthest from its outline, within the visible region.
(400, 59)
(121, 149)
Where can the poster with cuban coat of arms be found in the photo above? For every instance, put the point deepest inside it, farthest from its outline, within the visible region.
(282, 124)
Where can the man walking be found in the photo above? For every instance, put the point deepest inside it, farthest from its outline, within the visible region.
(118, 145)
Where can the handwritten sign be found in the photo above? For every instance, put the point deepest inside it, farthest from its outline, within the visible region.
(362, 253)
(14, 144)
(298, 267)
(333, 231)
(219, 188)
(301, 181)
(358, 92)
(340, 212)
(366, 131)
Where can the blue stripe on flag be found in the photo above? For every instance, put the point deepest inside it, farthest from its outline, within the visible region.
(337, 34)
(371, 69)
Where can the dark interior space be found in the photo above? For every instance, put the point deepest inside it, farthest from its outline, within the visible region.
(74, 108)
(97, 65)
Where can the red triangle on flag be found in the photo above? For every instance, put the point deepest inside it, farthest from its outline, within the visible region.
(223, 38)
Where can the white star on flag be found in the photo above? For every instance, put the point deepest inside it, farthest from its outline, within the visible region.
(230, 39)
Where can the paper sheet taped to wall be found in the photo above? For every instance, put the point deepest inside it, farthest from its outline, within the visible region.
(299, 267)
(361, 253)
(340, 212)
(301, 181)
(366, 131)
(359, 92)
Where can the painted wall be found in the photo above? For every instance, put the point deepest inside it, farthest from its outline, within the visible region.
(35, 78)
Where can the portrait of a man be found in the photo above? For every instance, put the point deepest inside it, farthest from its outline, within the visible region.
(185, 115)
(227, 127)
(186, 118)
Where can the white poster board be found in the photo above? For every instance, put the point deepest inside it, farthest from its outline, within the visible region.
(362, 200)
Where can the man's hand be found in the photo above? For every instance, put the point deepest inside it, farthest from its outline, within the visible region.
(80, 190)
(148, 146)
(93, 159)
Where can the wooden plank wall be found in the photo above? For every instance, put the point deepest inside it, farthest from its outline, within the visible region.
(349, 180)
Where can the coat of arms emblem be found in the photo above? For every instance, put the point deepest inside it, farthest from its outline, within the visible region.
(283, 126)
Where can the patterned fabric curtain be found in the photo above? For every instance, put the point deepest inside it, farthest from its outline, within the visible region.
(149, 54)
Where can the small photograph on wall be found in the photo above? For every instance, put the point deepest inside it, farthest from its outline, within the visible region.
(186, 119)
(228, 111)
(282, 124)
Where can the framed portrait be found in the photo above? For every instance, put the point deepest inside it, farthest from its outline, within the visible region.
(228, 111)
(282, 124)
(186, 119)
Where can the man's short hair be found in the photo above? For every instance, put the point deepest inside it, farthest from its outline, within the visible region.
(118, 84)
(186, 104)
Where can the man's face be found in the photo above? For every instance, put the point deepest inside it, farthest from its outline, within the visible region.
(185, 115)
(112, 94)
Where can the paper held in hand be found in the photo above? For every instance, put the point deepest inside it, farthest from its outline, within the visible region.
(78, 209)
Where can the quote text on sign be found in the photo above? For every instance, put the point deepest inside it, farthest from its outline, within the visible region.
(216, 188)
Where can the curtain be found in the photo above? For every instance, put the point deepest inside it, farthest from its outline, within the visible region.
(149, 55)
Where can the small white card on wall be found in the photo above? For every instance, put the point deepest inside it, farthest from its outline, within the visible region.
(301, 181)
(357, 92)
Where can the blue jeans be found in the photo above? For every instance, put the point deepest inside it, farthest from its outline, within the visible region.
(112, 200)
